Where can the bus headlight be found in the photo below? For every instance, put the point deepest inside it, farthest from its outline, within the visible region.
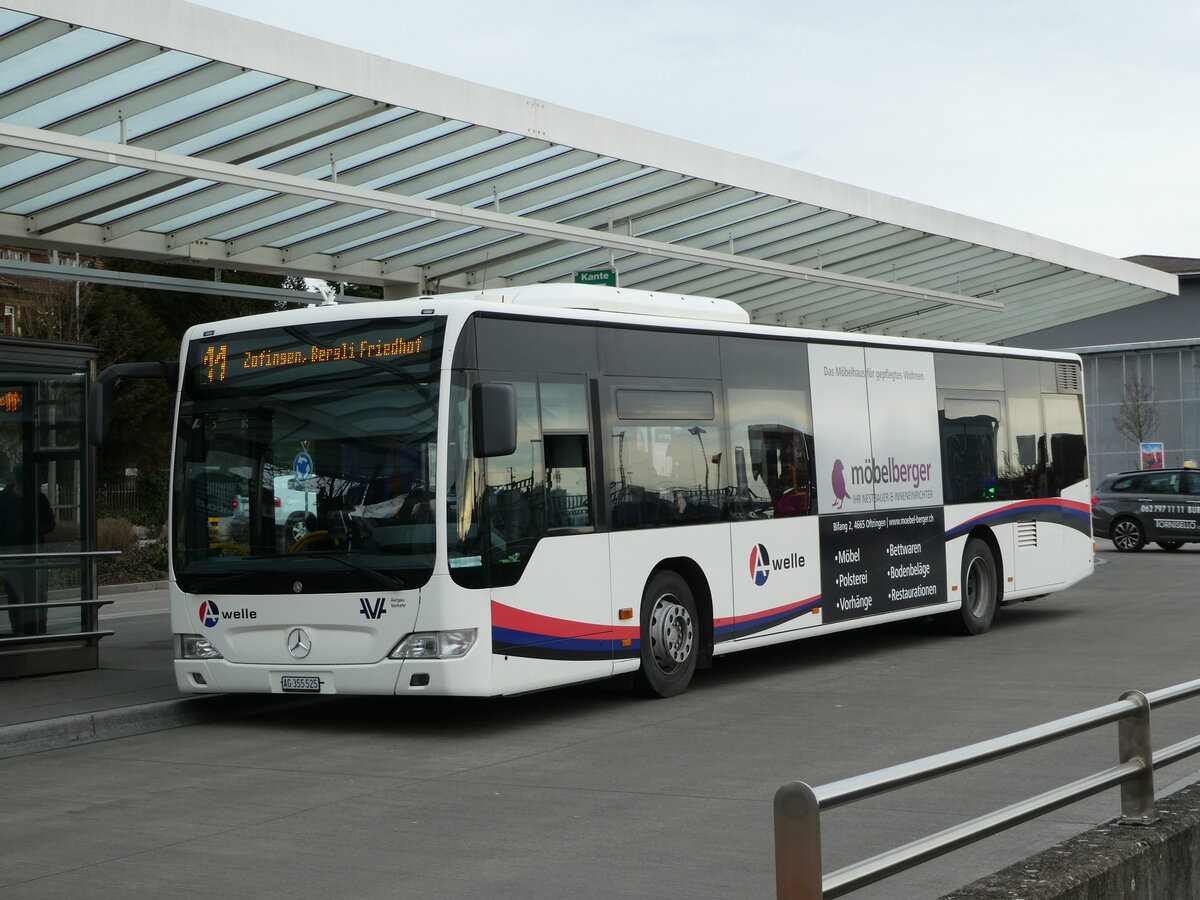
(193, 646)
(435, 644)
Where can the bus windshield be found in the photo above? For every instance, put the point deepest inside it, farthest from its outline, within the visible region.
(306, 456)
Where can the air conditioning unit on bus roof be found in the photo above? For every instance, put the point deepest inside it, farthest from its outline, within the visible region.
(623, 300)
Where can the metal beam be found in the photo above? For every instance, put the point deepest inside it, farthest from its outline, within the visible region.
(213, 195)
(249, 146)
(349, 235)
(256, 179)
(102, 63)
(31, 34)
(158, 282)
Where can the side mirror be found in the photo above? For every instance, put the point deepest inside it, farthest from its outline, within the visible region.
(493, 419)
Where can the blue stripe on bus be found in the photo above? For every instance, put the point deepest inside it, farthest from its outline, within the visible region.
(746, 627)
(1069, 514)
(509, 642)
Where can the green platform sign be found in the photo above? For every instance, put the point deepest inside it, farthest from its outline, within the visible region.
(597, 276)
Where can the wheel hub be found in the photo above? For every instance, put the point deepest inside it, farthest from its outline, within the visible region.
(671, 633)
(976, 588)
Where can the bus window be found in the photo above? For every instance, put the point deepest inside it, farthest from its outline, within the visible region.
(770, 423)
(563, 403)
(666, 458)
(499, 508)
(514, 499)
(1067, 463)
(1025, 457)
(969, 433)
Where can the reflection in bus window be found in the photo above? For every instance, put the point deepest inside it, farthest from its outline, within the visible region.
(667, 473)
(771, 428)
(1067, 462)
(501, 508)
(969, 434)
(781, 461)
(773, 462)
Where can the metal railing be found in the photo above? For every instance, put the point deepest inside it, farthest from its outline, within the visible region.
(89, 609)
(798, 874)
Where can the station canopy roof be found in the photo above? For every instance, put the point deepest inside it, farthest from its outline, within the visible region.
(161, 130)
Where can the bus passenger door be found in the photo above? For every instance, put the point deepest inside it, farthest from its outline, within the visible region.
(551, 609)
(667, 493)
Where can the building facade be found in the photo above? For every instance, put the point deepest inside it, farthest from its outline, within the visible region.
(1142, 359)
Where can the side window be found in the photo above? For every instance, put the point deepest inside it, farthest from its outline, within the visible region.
(770, 427)
(1067, 462)
(514, 495)
(500, 508)
(970, 436)
(1124, 484)
(564, 414)
(666, 460)
(496, 508)
(1026, 453)
(1191, 483)
(1164, 484)
(1155, 483)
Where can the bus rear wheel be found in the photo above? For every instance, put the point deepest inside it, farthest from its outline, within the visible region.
(670, 636)
(980, 594)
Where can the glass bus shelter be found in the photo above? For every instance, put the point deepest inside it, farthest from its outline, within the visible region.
(48, 596)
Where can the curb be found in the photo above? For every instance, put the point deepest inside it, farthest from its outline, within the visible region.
(110, 724)
(88, 728)
(134, 588)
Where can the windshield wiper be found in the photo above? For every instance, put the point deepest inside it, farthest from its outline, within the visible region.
(387, 581)
(394, 584)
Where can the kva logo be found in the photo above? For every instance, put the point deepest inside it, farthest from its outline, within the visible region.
(760, 565)
(372, 610)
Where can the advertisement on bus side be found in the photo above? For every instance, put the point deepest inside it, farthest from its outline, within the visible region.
(879, 472)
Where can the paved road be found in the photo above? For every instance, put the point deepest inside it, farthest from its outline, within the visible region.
(587, 792)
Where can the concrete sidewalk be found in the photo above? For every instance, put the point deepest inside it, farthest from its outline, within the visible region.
(133, 691)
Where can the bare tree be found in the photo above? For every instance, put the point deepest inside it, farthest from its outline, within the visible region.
(1137, 418)
(51, 310)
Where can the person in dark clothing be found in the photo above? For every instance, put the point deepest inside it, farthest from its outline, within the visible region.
(26, 517)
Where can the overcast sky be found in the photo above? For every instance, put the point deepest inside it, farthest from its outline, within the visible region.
(1073, 120)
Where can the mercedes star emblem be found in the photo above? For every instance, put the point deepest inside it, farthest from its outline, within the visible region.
(299, 643)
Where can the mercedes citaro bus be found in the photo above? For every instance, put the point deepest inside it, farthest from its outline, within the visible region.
(498, 492)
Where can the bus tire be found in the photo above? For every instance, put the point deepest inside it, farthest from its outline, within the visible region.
(670, 636)
(980, 594)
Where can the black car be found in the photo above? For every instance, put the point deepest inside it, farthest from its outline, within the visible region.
(1160, 505)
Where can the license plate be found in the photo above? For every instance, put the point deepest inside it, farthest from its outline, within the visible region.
(304, 684)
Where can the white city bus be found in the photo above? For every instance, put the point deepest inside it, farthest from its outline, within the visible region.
(491, 493)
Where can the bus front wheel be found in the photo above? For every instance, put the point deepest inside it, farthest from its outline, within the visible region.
(980, 595)
(670, 639)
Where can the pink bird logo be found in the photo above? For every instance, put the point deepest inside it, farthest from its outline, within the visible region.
(840, 493)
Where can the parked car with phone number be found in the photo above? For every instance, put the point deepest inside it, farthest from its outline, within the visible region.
(1159, 505)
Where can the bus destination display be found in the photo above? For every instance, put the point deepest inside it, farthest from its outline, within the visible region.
(215, 360)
